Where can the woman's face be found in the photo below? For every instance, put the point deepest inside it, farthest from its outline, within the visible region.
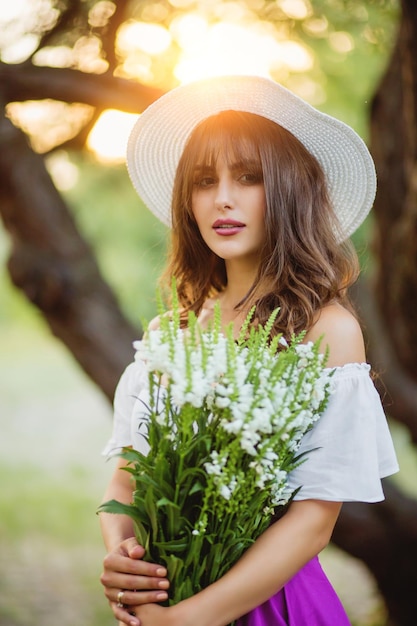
(228, 204)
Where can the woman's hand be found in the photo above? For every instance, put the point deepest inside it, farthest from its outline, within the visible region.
(129, 581)
(154, 615)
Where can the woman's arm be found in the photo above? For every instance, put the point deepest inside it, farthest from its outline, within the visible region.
(123, 567)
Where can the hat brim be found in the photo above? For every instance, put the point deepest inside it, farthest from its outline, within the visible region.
(161, 132)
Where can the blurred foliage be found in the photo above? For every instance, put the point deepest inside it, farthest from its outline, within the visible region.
(350, 77)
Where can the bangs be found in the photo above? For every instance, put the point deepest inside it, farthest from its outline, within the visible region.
(229, 134)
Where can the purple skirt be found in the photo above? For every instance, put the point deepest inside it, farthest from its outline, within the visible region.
(308, 599)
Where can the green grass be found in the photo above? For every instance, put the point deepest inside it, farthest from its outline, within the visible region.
(50, 548)
(33, 501)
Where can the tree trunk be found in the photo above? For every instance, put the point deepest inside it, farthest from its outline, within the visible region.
(54, 266)
(394, 147)
(384, 535)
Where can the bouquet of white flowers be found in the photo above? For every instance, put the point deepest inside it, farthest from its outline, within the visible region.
(223, 420)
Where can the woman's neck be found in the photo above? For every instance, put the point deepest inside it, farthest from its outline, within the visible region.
(240, 280)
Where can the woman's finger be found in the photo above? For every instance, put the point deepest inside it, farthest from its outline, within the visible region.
(124, 616)
(116, 581)
(129, 598)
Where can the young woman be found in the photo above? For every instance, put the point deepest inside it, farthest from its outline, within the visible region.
(261, 192)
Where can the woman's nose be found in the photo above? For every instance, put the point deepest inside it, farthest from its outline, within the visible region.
(224, 196)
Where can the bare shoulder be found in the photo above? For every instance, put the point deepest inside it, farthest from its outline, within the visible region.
(341, 334)
(155, 323)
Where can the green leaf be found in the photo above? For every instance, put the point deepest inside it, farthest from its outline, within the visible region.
(150, 507)
(174, 566)
(173, 512)
(175, 545)
(113, 506)
(141, 534)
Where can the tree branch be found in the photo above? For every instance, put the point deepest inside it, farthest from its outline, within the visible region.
(25, 81)
(109, 32)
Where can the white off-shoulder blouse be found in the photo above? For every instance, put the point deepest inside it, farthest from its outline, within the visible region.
(347, 452)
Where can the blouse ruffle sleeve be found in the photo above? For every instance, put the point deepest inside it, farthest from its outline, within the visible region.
(349, 449)
(131, 383)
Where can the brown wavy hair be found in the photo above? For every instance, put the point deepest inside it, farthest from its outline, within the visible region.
(303, 266)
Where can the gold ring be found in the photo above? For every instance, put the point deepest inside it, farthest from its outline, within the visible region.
(119, 599)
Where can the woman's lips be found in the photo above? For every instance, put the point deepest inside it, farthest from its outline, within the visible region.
(227, 227)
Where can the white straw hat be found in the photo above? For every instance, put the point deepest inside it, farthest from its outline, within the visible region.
(159, 136)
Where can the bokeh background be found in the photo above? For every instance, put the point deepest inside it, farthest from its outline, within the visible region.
(56, 418)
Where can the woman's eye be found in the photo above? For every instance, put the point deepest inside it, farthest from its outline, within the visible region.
(205, 181)
(249, 178)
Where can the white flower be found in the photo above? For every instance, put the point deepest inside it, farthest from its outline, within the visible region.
(225, 492)
(233, 426)
(303, 362)
(213, 469)
(222, 403)
(248, 440)
(161, 419)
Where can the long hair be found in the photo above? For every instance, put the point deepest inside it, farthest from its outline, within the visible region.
(303, 266)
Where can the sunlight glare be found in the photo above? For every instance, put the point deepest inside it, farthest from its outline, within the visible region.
(189, 31)
(151, 38)
(297, 9)
(296, 57)
(100, 13)
(341, 42)
(49, 122)
(316, 27)
(13, 10)
(55, 56)
(108, 138)
(180, 4)
(62, 171)
(19, 50)
(227, 48)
